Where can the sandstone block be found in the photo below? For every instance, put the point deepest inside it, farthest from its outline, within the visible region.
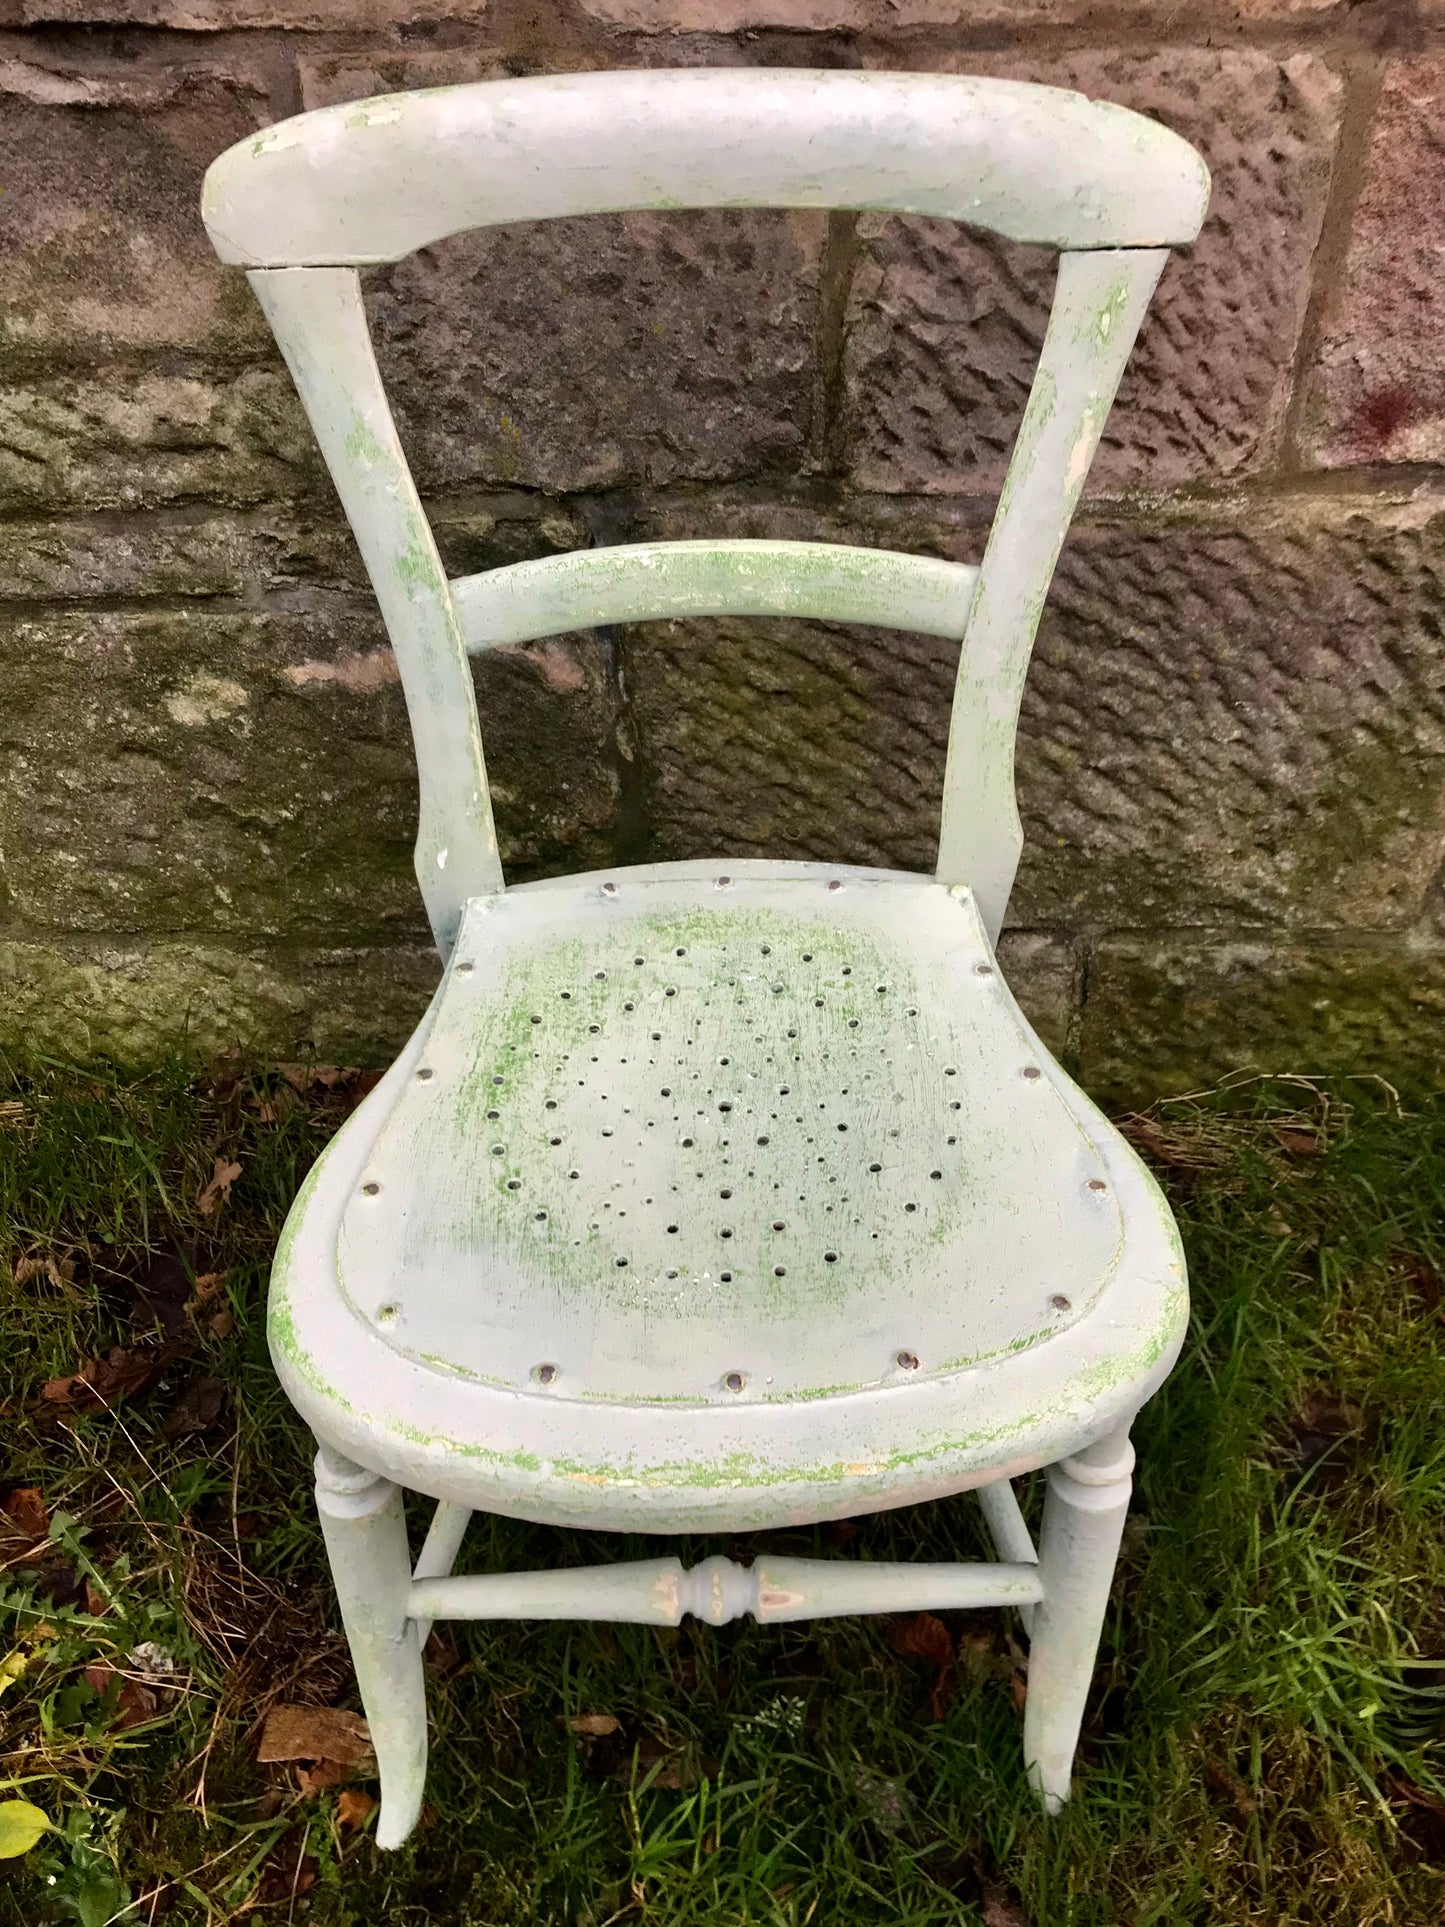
(205, 553)
(121, 440)
(1378, 393)
(1165, 1016)
(196, 771)
(101, 242)
(134, 1001)
(944, 326)
(1230, 721)
(583, 353)
(210, 16)
(884, 16)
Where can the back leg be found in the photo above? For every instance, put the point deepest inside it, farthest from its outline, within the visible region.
(365, 1533)
(1084, 1510)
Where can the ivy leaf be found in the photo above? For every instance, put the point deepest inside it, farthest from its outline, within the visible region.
(21, 1825)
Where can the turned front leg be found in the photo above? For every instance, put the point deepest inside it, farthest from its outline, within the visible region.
(365, 1532)
(1084, 1510)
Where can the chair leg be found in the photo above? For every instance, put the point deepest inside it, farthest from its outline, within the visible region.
(1084, 1509)
(365, 1533)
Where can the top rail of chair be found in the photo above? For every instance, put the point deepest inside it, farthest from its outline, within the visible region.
(370, 181)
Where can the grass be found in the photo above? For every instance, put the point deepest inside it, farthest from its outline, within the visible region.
(1265, 1740)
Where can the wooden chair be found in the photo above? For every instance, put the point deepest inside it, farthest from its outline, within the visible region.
(716, 1196)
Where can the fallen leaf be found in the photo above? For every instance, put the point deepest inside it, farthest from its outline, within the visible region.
(25, 1515)
(440, 1653)
(102, 1382)
(1423, 1283)
(1224, 1781)
(218, 1191)
(223, 1324)
(198, 1407)
(315, 1733)
(96, 1603)
(595, 1726)
(1003, 1908)
(1300, 1140)
(208, 1284)
(320, 1777)
(135, 1703)
(326, 1077)
(21, 1825)
(1423, 1822)
(161, 1293)
(921, 1636)
(289, 1871)
(354, 1807)
(59, 1271)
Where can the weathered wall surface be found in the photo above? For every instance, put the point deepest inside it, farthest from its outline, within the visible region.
(1233, 753)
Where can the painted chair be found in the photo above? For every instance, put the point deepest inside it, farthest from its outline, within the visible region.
(715, 1196)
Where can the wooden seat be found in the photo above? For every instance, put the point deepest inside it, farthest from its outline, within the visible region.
(717, 1195)
(701, 1195)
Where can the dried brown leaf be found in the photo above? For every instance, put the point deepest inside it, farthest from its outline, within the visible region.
(595, 1726)
(1300, 1140)
(289, 1871)
(198, 1407)
(25, 1515)
(1003, 1908)
(59, 1272)
(354, 1807)
(921, 1636)
(218, 1190)
(321, 1777)
(135, 1702)
(1226, 1783)
(102, 1382)
(315, 1733)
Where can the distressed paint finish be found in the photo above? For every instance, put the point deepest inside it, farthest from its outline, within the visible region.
(369, 181)
(665, 1135)
(646, 581)
(1099, 304)
(717, 1196)
(320, 325)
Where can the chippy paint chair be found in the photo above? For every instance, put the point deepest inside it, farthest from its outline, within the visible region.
(717, 1196)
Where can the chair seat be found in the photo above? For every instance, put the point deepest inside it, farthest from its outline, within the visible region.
(703, 1198)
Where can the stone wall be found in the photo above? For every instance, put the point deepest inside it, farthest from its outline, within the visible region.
(1233, 751)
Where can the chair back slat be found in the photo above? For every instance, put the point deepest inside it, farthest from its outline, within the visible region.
(667, 581)
(306, 203)
(370, 181)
